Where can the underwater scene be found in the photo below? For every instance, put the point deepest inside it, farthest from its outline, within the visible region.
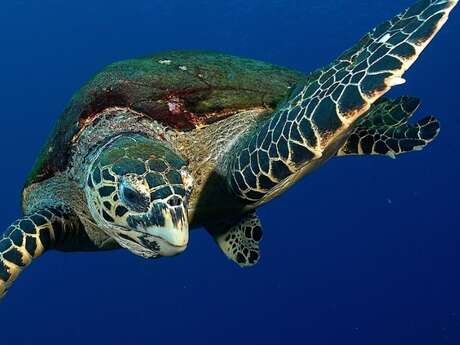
(255, 172)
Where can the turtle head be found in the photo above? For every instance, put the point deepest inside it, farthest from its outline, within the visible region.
(137, 190)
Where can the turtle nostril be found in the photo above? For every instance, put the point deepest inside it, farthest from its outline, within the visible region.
(175, 201)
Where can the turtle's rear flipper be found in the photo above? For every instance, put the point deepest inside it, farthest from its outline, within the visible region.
(239, 240)
(385, 130)
(30, 236)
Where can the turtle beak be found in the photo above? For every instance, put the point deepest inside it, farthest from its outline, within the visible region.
(173, 236)
(165, 228)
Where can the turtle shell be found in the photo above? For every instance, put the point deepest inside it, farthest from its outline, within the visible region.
(181, 90)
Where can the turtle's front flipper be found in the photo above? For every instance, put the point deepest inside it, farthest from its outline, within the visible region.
(239, 240)
(30, 236)
(316, 119)
(385, 130)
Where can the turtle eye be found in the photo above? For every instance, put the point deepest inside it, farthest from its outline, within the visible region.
(134, 200)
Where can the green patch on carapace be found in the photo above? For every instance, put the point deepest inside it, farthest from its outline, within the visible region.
(181, 90)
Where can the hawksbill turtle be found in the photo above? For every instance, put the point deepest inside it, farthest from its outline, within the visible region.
(152, 147)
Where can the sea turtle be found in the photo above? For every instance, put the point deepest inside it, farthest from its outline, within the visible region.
(154, 146)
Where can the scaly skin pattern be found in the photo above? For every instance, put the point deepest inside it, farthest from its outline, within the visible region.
(385, 130)
(314, 122)
(136, 184)
(30, 236)
(240, 241)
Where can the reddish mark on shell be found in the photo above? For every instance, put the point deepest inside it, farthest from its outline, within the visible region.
(175, 106)
(171, 109)
(162, 136)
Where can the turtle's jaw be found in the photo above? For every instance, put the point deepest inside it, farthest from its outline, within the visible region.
(153, 242)
(163, 230)
(171, 240)
(155, 247)
(174, 236)
(168, 249)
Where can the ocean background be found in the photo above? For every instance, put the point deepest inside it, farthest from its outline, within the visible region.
(365, 251)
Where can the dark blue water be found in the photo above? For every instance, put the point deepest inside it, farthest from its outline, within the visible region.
(365, 251)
